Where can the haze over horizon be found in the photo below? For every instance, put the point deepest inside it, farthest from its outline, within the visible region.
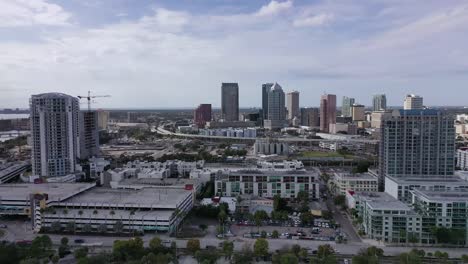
(170, 54)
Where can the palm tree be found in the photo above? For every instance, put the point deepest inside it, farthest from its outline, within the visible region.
(80, 212)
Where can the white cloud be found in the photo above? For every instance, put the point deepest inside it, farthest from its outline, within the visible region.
(313, 21)
(167, 20)
(273, 8)
(16, 13)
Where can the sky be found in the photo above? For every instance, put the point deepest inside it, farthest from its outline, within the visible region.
(168, 54)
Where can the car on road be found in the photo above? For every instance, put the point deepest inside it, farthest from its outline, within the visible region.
(79, 241)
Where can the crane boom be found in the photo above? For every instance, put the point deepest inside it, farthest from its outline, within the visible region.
(89, 97)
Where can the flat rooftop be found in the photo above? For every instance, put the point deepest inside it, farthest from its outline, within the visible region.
(383, 201)
(173, 182)
(446, 196)
(356, 176)
(145, 197)
(428, 179)
(55, 191)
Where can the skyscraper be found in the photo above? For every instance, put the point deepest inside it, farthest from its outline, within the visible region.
(358, 112)
(379, 102)
(310, 117)
(346, 106)
(54, 131)
(265, 89)
(292, 104)
(276, 108)
(88, 134)
(413, 101)
(103, 119)
(327, 112)
(417, 143)
(230, 101)
(202, 114)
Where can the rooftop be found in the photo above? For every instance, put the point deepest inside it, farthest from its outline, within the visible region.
(451, 180)
(383, 201)
(146, 197)
(356, 176)
(446, 196)
(55, 191)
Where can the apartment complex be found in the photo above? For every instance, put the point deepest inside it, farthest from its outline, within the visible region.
(462, 159)
(202, 115)
(417, 143)
(89, 134)
(54, 134)
(358, 182)
(267, 184)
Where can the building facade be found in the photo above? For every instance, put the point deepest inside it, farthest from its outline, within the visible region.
(358, 112)
(202, 115)
(54, 134)
(276, 108)
(413, 101)
(310, 117)
(346, 105)
(327, 112)
(268, 183)
(89, 134)
(292, 104)
(360, 182)
(462, 159)
(379, 102)
(230, 101)
(417, 143)
(266, 87)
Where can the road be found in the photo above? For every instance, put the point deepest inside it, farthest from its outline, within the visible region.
(20, 230)
(346, 225)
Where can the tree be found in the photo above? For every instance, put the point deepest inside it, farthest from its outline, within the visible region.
(325, 250)
(228, 249)
(288, 258)
(71, 227)
(208, 257)
(81, 252)
(55, 259)
(155, 244)
(340, 200)
(87, 228)
(102, 228)
(244, 257)
(279, 204)
(193, 245)
(9, 253)
(40, 246)
(464, 258)
(275, 234)
(370, 255)
(118, 226)
(261, 247)
(306, 218)
(362, 166)
(259, 217)
(303, 197)
(64, 241)
(203, 227)
(125, 250)
(441, 255)
(222, 216)
(409, 258)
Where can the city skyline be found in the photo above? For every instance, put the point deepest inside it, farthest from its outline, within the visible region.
(141, 53)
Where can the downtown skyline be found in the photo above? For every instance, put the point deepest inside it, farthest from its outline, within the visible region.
(161, 54)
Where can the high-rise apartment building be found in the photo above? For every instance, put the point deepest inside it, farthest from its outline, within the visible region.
(346, 105)
(358, 112)
(417, 143)
(202, 114)
(310, 117)
(88, 134)
(55, 134)
(276, 108)
(379, 102)
(266, 87)
(413, 101)
(327, 112)
(292, 104)
(230, 101)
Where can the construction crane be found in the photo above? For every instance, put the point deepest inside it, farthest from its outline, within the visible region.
(89, 97)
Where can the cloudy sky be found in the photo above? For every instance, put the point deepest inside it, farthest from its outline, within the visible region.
(158, 54)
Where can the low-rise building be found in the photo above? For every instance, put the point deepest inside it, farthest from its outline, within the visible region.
(462, 159)
(268, 146)
(357, 182)
(267, 184)
(385, 218)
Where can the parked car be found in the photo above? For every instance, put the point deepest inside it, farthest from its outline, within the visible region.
(79, 241)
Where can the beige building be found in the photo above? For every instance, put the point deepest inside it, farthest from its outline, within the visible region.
(413, 101)
(358, 113)
(292, 104)
(377, 116)
(360, 182)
